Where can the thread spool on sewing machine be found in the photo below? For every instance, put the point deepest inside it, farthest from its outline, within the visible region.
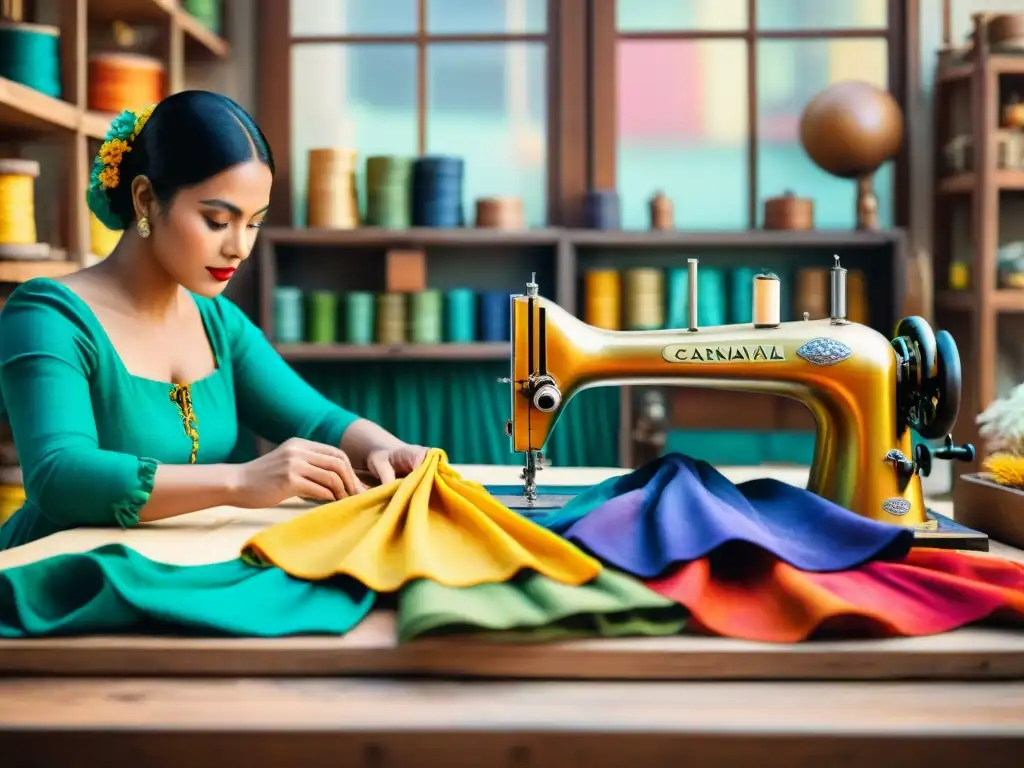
(866, 392)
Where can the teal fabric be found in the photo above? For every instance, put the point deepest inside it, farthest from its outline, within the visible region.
(460, 407)
(580, 506)
(115, 590)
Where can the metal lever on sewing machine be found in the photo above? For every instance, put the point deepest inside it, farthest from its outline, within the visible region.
(923, 455)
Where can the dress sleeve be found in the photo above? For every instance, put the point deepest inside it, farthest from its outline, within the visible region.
(46, 362)
(273, 400)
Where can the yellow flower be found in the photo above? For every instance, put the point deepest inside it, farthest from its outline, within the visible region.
(141, 119)
(112, 151)
(109, 177)
(1007, 469)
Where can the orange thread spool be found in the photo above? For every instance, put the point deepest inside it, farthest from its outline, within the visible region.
(119, 81)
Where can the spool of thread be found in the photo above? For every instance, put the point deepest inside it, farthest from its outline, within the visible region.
(741, 294)
(645, 299)
(321, 317)
(662, 213)
(602, 209)
(359, 318)
(437, 192)
(427, 324)
(711, 297)
(495, 316)
(391, 318)
(767, 300)
(119, 81)
(331, 198)
(208, 12)
(602, 289)
(30, 55)
(500, 213)
(678, 301)
(102, 240)
(289, 318)
(389, 192)
(12, 497)
(857, 299)
(460, 316)
(17, 202)
(812, 292)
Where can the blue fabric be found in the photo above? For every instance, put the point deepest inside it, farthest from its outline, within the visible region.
(678, 509)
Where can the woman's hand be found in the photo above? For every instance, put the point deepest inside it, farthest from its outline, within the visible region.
(296, 468)
(387, 464)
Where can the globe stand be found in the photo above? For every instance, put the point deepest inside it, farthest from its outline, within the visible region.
(867, 202)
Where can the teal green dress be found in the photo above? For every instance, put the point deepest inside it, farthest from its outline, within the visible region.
(90, 435)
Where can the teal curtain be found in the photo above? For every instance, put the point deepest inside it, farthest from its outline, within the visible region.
(461, 407)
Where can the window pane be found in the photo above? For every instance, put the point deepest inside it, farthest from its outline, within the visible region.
(330, 105)
(483, 17)
(487, 103)
(682, 112)
(353, 17)
(667, 15)
(822, 14)
(790, 74)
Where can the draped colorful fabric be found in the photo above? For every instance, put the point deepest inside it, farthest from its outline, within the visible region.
(430, 525)
(115, 590)
(677, 509)
(754, 596)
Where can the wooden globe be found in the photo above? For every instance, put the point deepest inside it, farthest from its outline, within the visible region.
(851, 128)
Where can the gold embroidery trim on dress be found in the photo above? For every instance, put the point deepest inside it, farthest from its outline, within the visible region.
(181, 396)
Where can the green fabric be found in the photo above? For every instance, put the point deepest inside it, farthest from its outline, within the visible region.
(90, 434)
(114, 589)
(460, 407)
(534, 607)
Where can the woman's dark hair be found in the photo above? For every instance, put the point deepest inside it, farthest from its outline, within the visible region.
(189, 137)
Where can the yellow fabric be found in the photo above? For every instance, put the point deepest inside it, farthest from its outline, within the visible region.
(432, 524)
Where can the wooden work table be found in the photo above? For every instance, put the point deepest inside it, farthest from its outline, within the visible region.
(362, 701)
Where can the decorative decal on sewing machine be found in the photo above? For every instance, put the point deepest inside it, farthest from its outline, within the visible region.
(897, 506)
(824, 351)
(748, 353)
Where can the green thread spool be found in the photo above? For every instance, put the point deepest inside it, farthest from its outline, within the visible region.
(678, 315)
(207, 12)
(741, 295)
(427, 317)
(321, 317)
(460, 316)
(288, 314)
(30, 55)
(359, 317)
(644, 289)
(711, 297)
(391, 318)
(389, 192)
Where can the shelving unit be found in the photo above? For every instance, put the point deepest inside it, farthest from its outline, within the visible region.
(65, 130)
(341, 260)
(970, 218)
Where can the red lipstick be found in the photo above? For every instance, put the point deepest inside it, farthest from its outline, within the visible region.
(222, 274)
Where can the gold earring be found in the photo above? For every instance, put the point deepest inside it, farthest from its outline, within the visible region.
(143, 227)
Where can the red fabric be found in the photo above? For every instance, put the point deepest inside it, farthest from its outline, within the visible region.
(765, 599)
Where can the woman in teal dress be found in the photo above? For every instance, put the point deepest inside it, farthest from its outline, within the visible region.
(126, 384)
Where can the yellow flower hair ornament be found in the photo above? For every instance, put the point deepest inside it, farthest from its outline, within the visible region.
(106, 167)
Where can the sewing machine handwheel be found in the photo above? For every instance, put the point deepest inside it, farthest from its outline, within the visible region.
(922, 341)
(946, 387)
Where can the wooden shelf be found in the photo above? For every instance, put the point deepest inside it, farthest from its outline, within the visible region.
(422, 236)
(965, 183)
(998, 63)
(198, 38)
(339, 352)
(25, 110)
(751, 238)
(1004, 300)
(21, 271)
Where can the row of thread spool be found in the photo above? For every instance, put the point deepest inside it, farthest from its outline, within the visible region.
(458, 316)
(649, 299)
(400, 192)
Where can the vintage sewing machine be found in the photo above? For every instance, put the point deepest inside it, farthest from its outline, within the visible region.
(866, 392)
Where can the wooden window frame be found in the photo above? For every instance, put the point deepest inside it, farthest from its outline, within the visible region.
(567, 126)
(900, 33)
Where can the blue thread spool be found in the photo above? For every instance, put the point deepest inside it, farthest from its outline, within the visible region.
(30, 55)
(711, 297)
(359, 317)
(289, 317)
(602, 209)
(460, 316)
(741, 295)
(678, 315)
(495, 316)
(437, 192)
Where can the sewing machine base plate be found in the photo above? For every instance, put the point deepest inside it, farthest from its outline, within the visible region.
(951, 535)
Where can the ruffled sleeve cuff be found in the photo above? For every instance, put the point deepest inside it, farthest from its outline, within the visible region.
(126, 511)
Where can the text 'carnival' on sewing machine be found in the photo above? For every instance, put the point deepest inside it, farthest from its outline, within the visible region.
(865, 391)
